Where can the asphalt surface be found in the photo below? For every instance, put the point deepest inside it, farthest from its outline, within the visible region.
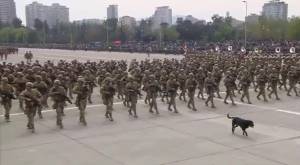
(188, 138)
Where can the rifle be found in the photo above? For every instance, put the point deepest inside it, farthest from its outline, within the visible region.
(7, 95)
(66, 98)
(31, 98)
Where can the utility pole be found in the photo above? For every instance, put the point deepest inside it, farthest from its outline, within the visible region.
(245, 28)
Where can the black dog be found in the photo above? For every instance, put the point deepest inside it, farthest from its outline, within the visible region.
(244, 124)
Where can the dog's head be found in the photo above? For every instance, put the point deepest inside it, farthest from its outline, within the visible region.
(251, 124)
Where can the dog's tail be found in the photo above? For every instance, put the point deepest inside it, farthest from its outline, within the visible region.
(229, 116)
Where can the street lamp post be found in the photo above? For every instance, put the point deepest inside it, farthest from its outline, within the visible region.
(107, 33)
(246, 5)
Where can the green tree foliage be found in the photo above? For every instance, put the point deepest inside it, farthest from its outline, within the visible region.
(17, 23)
(219, 29)
(294, 29)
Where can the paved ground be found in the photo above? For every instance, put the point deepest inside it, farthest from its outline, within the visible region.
(188, 138)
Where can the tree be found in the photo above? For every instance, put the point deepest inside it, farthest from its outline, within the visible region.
(38, 25)
(294, 29)
(17, 23)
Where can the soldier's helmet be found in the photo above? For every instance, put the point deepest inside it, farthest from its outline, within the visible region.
(80, 80)
(4, 79)
(29, 85)
(56, 82)
(38, 78)
(152, 76)
(29, 71)
(107, 74)
(19, 74)
(130, 78)
(86, 72)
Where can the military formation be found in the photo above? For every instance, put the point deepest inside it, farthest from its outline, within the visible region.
(201, 76)
(6, 51)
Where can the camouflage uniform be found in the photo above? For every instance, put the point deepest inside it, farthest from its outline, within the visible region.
(181, 80)
(172, 87)
(20, 85)
(229, 83)
(58, 94)
(108, 91)
(261, 83)
(90, 81)
(82, 90)
(132, 90)
(42, 87)
(284, 75)
(274, 79)
(245, 82)
(292, 76)
(163, 82)
(153, 89)
(32, 102)
(210, 86)
(7, 94)
(191, 85)
(200, 76)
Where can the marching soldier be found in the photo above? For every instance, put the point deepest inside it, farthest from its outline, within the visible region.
(261, 83)
(42, 87)
(200, 79)
(108, 91)
(284, 76)
(274, 79)
(172, 87)
(90, 81)
(153, 89)
(163, 82)
(292, 76)
(245, 83)
(210, 86)
(59, 96)
(82, 90)
(7, 94)
(32, 102)
(229, 83)
(191, 85)
(20, 85)
(132, 91)
(181, 80)
(145, 82)
(217, 75)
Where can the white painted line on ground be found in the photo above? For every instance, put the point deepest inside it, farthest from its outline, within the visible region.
(289, 112)
(69, 108)
(119, 103)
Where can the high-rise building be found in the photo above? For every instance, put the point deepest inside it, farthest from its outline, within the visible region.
(252, 19)
(162, 15)
(7, 11)
(128, 21)
(112, 12)
(275, 9)
(57, 14)
(53, 14)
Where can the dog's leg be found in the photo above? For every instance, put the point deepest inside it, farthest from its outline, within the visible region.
(233, 127)
(244, 132)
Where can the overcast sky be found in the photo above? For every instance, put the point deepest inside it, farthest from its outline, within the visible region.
(202, 9)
